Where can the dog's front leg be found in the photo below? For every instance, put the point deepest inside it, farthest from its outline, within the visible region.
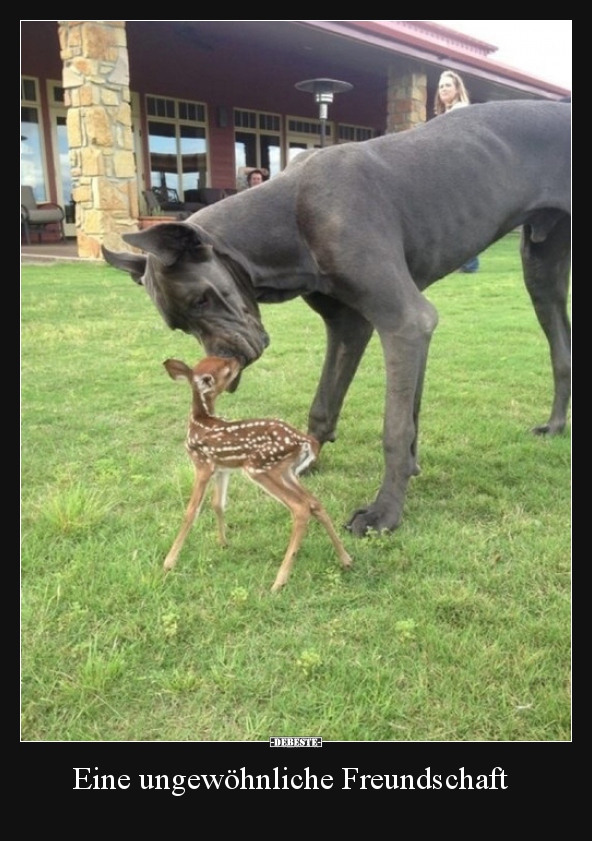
(348, 334)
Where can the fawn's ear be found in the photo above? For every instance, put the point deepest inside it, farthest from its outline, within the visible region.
(178, 370)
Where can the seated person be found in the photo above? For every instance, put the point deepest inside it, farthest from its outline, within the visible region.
(255, 178)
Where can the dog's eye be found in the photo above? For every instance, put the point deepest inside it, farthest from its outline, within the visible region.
(200, 304)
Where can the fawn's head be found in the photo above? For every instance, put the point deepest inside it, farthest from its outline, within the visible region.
(208, 378)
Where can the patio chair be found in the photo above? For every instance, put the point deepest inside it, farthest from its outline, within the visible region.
(39, 216)
(168, 198)
(152, 205)
(158, 207)
(204, 196)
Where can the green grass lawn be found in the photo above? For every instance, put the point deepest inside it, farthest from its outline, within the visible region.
(456, 627)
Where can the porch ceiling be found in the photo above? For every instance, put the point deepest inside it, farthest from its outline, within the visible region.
(336, 52)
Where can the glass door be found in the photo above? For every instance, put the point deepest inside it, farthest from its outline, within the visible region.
(33, 171)
(63, 173)
(303, 134)
(297, 146)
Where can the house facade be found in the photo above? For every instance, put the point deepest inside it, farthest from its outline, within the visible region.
(110, 109)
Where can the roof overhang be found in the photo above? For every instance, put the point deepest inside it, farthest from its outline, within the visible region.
(439, 52)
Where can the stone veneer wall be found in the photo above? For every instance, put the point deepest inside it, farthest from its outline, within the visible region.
(96, 85)
(406, 100)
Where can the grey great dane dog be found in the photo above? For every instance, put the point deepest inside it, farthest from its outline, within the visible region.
(359, 231)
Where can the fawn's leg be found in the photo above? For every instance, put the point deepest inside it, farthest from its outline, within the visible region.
(221, 479)
(319, 513)
(285, 493)
(286, 489)
(203, 474)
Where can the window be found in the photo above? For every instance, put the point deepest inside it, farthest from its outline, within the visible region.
(61, 151)
(32, 169)
(309, 130)
(347, 133)
(177, 144)
(257, 142)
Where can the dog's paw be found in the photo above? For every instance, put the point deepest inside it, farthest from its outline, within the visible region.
(366, 520)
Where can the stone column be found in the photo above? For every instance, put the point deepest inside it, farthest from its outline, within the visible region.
(96, 88)
(406, 100)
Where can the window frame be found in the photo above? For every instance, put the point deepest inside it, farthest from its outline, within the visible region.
(36, 104)
(173, 107)
(260, 124)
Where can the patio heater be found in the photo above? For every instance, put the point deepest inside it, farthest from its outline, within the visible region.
(323, 90)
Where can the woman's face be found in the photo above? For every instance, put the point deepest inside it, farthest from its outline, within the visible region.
(447, 91)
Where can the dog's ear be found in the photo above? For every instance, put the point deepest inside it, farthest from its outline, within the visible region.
(169, 242)
(134, 264)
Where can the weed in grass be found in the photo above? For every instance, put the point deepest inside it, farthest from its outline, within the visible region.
(405, 629)
(239, 595)
(333, 578)
(99, 669)
(180, 681)
(169, 623)
(309, 663)
(73, 510)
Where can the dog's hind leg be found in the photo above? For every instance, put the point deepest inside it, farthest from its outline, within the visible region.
(546, 261)
(405, 327)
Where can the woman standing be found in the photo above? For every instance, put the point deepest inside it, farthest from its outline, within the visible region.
(452, 94)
